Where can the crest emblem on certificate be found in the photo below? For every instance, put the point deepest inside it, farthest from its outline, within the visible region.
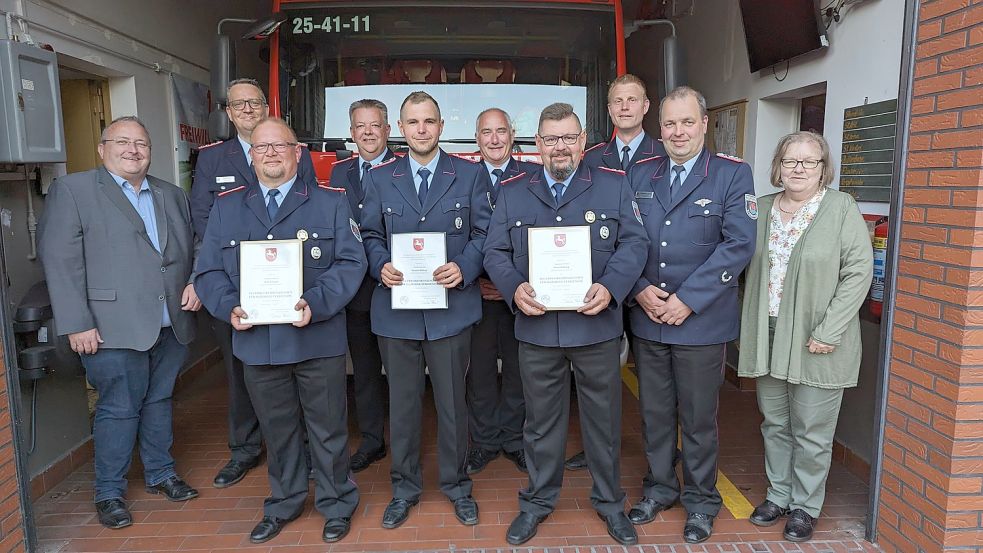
(418, 244)
(560, 240)
(271, 254)
(751, 206)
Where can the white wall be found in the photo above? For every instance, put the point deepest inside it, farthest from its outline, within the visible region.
(862, 63)
(123, 39)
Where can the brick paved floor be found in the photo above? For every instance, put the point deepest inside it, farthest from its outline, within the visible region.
(220, 520)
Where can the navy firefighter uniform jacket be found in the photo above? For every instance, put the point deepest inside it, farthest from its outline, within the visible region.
(598, 198)
(333, 267)
(701, 240)
(456, 204)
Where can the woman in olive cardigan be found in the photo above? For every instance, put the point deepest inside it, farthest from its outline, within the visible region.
(800, 335)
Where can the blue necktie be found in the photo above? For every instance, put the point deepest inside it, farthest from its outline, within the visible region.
(625, 159)
(358, 188)
(495, 185)
(558, 192)
(676, 184)
(424, 184)
(271, 205)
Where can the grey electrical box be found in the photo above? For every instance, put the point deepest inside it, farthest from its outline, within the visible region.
(31, 129)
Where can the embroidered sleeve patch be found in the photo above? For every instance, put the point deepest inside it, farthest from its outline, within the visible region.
(354, 227)
(638, 214)
(751, 206)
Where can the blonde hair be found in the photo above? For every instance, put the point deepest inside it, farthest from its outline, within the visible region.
(628, 78)
(799, 137)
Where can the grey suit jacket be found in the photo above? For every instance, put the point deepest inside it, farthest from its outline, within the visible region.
(102, 270)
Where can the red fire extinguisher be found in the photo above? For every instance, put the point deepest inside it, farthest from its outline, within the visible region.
(880, 256)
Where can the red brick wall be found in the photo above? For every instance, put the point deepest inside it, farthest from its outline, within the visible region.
(932, 491)
(11, 520)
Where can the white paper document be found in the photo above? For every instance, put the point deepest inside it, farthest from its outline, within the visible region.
(271, 280)
(560, 266)
(417, 255)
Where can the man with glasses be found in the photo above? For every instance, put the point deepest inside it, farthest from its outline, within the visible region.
(370, 131)
(699, 212)
(295, 373)
(117, 249)
(427, 191)
(223, 166)
(496, 412)
(627, 105)
(568, 193)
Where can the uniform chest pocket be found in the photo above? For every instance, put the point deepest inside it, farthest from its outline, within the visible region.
(219, 187)
(519, 233)
(456, 210)
(392, 212)
(604, 231)
(230, 256)
(705, 223)
(319, 247)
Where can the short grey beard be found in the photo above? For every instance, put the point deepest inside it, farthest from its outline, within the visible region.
(561, 173)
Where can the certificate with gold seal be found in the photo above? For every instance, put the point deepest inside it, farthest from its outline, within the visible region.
(560, 266)
(271, 280)
(417, 255)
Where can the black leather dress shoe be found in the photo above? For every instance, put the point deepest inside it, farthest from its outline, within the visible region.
(646, 510)
(396, 512)
(518, 457)
(478, 459)
(466, 510)
(232, 473)
(767, 514)
(362, 460)
(577, 461)
(267, 529)
(174, 489)
(620, 528)
(699, 527)
(799, 526)
(113, 513)
(523, 528)
(336, 528)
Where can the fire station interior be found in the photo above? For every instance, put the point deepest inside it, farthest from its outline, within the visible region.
(102, 75)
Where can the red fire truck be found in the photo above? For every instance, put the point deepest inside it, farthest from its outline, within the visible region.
(470, 55)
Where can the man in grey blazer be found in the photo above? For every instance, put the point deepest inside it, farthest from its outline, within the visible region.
(117, 249)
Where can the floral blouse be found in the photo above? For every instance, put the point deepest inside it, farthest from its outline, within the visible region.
(782, 238)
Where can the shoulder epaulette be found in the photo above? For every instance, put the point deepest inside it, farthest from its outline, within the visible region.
(236, 189)
(216, 143)
(336, 162)
(331, 188)
(610, 170)
(595, 146)
(643, 160)
(730, 158)
(384, 163)
(510, 179)
(465, 158)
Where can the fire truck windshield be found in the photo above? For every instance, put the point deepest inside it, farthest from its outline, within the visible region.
(520, 56)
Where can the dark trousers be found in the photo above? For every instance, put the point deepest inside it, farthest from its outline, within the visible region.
(546, 383)
(286, 397)
(680, 385)
(496, 414)
(135, 390)
(447, 361)
(370, 384)
(245, 439)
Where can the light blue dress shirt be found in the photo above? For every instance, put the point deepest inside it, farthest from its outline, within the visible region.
(489, 167)
(415, 167)
(372, 162)
(632, 146)
(143, 203)
(283, 188)
(245, 150)
(687, 169)
(550, 181)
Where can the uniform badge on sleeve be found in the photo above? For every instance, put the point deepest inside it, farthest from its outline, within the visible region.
(354, 226)
(751, 206)
(634, 208)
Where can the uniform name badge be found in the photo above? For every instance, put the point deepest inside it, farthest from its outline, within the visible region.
(560, 266)
(417, 255)
(271, 280)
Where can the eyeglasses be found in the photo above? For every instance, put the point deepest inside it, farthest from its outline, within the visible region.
(240, 105)
(278, 147)
(568, 139)
(619, 102)
(125, 143)
(806, 163)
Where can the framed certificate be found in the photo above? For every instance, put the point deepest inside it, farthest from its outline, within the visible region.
(271, 280)
(560, 266)
(417, 255)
